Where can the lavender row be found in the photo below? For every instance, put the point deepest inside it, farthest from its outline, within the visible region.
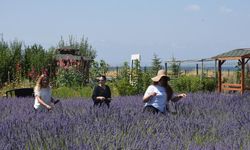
(202, 121)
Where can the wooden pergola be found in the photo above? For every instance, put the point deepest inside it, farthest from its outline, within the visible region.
(243, 56)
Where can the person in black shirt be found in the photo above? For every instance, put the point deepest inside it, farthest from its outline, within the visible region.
(101, 93)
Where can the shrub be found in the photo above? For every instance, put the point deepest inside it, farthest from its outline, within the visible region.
(69, 78)
(193, 84)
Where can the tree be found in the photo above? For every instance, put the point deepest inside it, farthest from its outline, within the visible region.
(97, 69)
(137, 78)
(15, 60)
(156, 65)
(175, 67)
(85, 48)
(123, 81)
(36, 59)
(5, 60)
(103, 67)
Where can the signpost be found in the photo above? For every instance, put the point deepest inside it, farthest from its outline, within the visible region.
(134, 57)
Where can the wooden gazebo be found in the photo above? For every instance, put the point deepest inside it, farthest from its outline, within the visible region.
(243, 56)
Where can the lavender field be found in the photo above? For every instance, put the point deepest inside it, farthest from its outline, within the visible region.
(203, 121)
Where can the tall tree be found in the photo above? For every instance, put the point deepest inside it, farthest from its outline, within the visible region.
(5, 59)
(156, 65)
(85, 48)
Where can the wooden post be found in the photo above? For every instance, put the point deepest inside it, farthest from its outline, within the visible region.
(215, 71)
(219, 76)
(145, 69)
(202, 68)
(117, 71)
(242, 75)
(166, 68)
(197, 67)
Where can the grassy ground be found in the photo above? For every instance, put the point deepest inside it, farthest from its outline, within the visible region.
(60, 92)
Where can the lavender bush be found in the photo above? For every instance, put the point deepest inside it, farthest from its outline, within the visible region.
(203, 121)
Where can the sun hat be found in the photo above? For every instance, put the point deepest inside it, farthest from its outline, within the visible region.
(161, 73)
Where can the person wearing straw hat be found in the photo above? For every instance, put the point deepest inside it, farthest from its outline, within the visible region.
(159, 94)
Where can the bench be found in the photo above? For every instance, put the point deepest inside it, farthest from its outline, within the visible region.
(22, 92)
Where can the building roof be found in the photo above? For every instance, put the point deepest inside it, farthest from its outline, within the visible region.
(236, 53)
(67, 48)
(71, 57)
(67, 56)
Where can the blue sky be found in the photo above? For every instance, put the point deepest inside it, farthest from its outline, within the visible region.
(190, 29)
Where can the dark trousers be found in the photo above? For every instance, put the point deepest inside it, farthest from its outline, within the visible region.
(150, 109)
(99, 103)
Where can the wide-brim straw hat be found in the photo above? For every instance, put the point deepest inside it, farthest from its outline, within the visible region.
(161, 73)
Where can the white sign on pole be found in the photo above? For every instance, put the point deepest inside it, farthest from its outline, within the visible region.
(136, 57)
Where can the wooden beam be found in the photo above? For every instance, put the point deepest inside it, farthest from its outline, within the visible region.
(222, 62)
(242, 75)
(231, 85)
(231, 89)
(239, 62)
(229, 58)
(247, 60)
(246, 56)
(219, 75)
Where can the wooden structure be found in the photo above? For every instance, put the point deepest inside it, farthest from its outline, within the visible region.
(68, 57)
(243, 56)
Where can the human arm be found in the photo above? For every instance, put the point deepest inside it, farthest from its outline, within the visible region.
(41, 101)
(148, 97)
(149, 94)
(178, 97)
(107, 93)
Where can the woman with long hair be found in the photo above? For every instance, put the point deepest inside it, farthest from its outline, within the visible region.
(42, 92)
(159, 94)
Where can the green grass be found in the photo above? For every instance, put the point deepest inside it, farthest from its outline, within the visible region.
(67, 92)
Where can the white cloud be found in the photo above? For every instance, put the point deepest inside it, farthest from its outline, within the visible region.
(225, 10)
(193, 7)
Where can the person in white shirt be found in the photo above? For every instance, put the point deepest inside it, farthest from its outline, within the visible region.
(159, 94)
(42, 92)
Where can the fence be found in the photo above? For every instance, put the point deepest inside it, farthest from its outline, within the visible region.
(208, 68)
(197, 67)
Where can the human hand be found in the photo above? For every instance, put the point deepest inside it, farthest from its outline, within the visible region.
(101, 98)
(153, 94)
(48, 107)
(182, 95)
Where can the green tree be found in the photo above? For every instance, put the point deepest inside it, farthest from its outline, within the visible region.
(122, 82)
(103, 67)
(38, 58)
(97, 69)
(175, 67)
(156, 65)
(5, 60)
(16, 60)
(137, 80)
(85, 48)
